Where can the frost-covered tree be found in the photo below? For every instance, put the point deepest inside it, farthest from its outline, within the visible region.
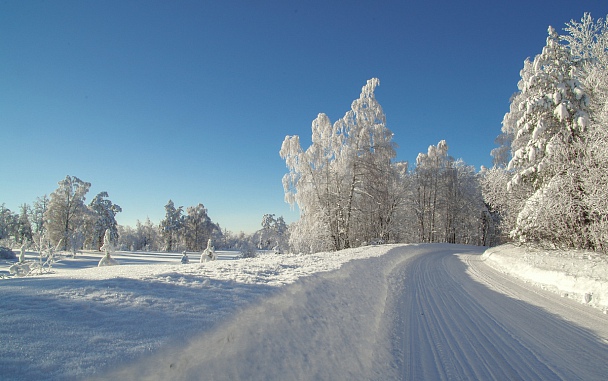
(588, 43)
(66, 211)
(274, 234)
(430, 168)
(446, 199)
(548, 147)
(104, 214)
(503, 205)
(171, 225)
(369, 150)
(8, 223)
(197, 228)
(24, 228)
(39, 208)
(552, 116)
(313, 183)
(403, 226)
(144, 236)
(346, 170)
(108, 249)
(556, 129)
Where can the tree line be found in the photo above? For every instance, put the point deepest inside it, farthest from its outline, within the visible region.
(351, 192)
(548, 186)
(549, 183)
(62, 220)
(66, 222)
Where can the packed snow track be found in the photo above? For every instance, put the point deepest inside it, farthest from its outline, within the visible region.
(452, 322)
(421, 312)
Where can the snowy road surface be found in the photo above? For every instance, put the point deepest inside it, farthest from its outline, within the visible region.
(427, 312)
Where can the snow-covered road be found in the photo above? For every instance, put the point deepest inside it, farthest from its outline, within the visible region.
(420, 312)
(457, 319)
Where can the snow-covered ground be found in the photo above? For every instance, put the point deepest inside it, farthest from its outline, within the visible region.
(579, 275)
(81, 319)
(379, 312)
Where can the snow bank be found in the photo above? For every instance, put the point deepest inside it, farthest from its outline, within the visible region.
(579, 275)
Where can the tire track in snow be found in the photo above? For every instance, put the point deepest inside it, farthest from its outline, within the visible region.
(416, 313)
(449, 326)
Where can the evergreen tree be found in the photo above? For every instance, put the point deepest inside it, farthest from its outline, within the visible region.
(8, 223)
(552, 116)
(104, 215)
(198, 228)
(171, 225)
(24, 229)
(548, 147)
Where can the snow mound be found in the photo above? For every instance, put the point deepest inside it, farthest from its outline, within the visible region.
(579, 275)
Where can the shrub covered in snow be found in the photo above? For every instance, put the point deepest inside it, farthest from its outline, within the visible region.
(208, 253)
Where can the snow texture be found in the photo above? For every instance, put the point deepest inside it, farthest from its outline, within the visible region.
(576, 274)
(381, 312)
(82, 319)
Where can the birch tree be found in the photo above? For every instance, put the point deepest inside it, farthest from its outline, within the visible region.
(342, 177)
(430, 168)
(66, 211)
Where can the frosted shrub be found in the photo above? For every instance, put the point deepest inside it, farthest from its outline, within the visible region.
(107, 259)
(209, 253)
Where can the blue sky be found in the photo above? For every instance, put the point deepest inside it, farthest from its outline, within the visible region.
(190, 100)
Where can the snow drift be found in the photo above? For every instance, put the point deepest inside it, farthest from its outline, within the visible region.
(576, 274)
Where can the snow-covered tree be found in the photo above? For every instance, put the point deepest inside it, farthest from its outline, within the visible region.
(588, 44)
(8, 223)
(556, 130)
(66, 210)
(104, 215)
(108, 249)
(143, 237)
(402, 225)
(548, 145)
(346, 170)
(24, 228)
(274, 234)
(39, 208)
(313, 180)
(171, 225)
(197, 228)
(430, 168)
(447, 198)
(503, 205)
(552, 116)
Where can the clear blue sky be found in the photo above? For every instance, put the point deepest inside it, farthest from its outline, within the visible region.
(190, 100)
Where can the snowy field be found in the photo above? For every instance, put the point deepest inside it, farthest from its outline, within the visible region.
(375, 313)
(579, 275)
(81, 319)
